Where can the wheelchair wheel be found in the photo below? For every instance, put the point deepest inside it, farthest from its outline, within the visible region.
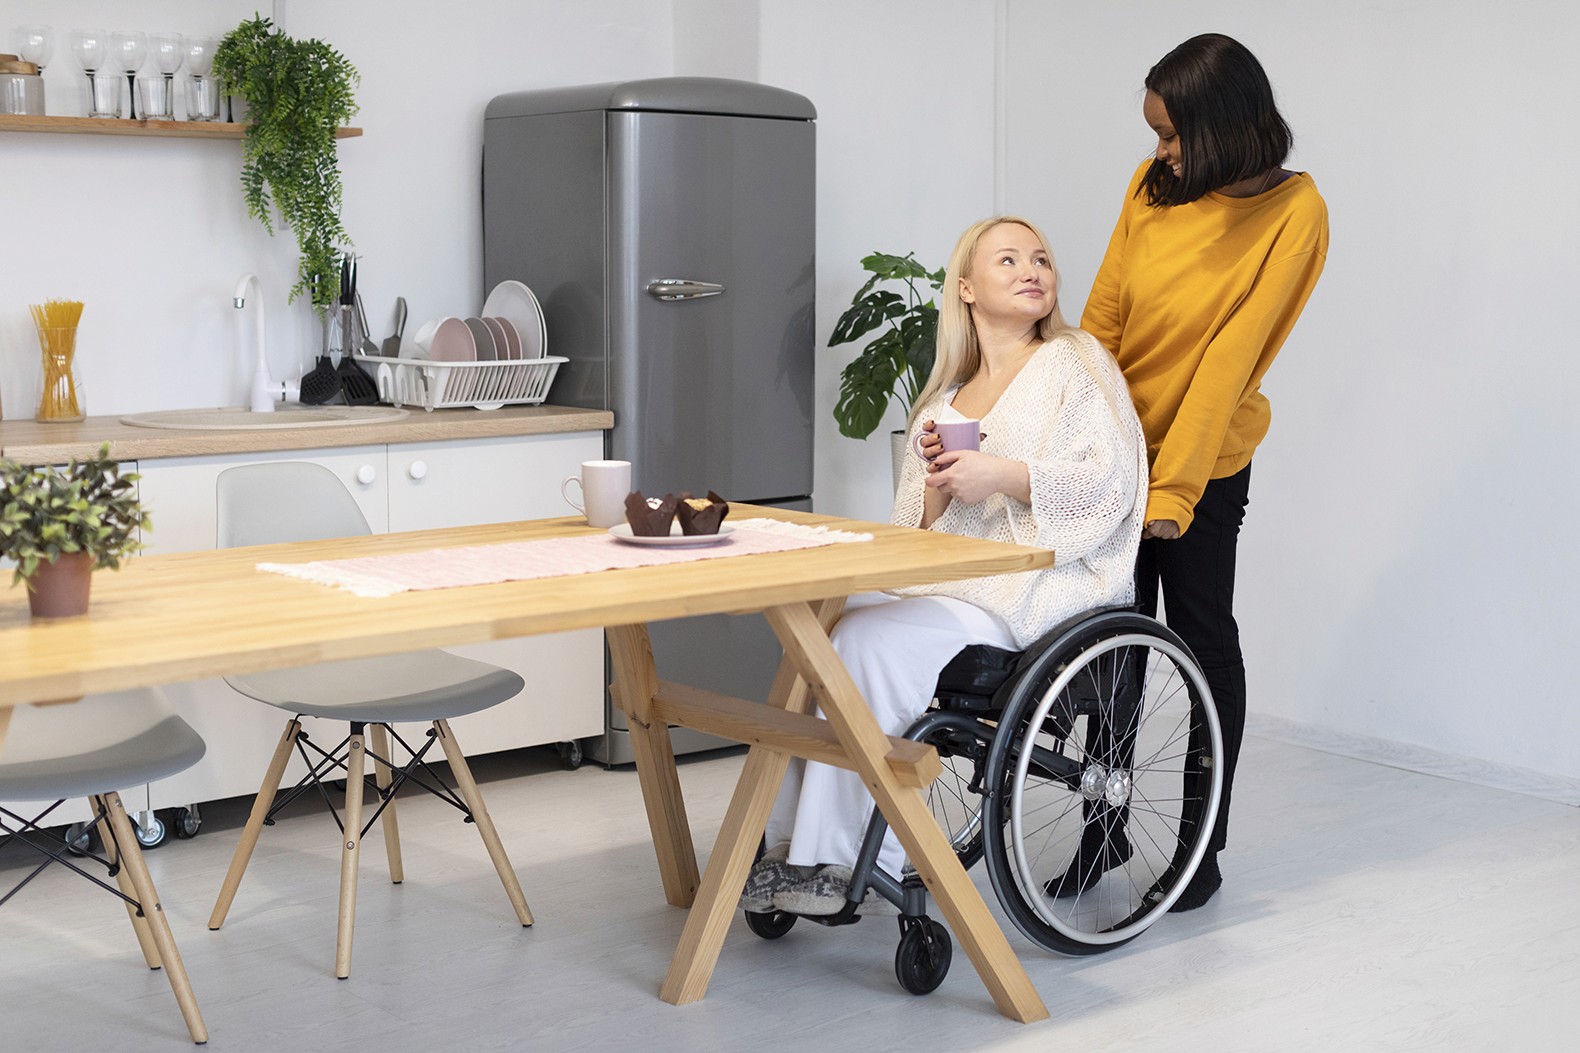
(922, 960)
(1104, 777)
(770, 925)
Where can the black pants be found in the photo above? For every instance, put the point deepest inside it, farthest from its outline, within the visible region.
(1196, 571)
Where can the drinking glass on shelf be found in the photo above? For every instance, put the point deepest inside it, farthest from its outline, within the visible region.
(91, 47)
(153, 95)
(167, 55)
(202, 90)
(105, 94)
(35, 44)
(203, 99)
(130, 48)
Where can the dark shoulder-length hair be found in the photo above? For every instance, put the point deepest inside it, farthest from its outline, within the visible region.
(1221, 105)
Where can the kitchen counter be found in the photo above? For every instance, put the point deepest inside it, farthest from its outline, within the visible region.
(30, 442)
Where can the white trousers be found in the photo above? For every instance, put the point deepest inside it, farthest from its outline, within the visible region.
(894, 648)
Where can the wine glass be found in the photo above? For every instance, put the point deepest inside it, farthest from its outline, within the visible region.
(202, 93)
(199, 54)
(168, 56)
(35, 44)
(130, 48)
(90, 46)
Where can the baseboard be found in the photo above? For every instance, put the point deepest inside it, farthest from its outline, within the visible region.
(1417, 758)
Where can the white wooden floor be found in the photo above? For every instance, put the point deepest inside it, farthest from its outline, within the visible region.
(1364, 908)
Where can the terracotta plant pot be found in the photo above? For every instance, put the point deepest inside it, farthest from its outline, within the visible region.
(60, 589)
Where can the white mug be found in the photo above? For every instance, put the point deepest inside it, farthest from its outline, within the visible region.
(604, 486)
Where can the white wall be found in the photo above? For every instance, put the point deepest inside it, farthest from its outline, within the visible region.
(904, 93)
(1404, 569)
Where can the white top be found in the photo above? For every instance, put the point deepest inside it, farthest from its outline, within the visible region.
(1068, 416)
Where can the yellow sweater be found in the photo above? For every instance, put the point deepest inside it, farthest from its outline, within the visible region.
(1194, 301)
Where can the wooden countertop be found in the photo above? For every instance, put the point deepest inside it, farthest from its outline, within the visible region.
(30, 442)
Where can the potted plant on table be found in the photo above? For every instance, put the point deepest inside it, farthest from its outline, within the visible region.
(298, 93)
(894, 366)
(61, 524)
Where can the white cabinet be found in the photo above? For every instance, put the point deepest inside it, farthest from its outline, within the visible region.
(401, 487)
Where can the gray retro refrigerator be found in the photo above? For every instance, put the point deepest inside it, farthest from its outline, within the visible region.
(667, 227)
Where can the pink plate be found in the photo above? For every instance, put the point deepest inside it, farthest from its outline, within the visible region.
(452, 342)
(505, 348)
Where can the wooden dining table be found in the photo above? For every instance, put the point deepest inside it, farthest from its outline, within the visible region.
(169, 618)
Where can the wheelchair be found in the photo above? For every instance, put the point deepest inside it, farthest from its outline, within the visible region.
(1083, 770)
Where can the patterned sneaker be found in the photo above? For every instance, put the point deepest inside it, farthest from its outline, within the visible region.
(769, 875)
(819, 895)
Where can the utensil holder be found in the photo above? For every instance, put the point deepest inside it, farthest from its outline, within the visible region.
(61, 400)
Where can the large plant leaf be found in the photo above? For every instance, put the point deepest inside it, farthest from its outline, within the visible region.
(865, 315)
(867, 385)
(883, 265)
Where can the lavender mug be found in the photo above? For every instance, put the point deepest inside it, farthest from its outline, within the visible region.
(957, 435)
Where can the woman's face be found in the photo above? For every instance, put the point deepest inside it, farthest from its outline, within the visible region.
(1157, 115)
(1011, 275)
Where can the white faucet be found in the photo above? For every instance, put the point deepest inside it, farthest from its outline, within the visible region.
(266, 391)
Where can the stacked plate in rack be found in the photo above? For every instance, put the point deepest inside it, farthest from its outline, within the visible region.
(510, 328)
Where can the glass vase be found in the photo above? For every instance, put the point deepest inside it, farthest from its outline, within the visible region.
(62, 396)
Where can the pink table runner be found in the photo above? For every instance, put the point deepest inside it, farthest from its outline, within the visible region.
(448, 568)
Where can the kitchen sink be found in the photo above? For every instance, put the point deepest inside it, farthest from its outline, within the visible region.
(235, 418)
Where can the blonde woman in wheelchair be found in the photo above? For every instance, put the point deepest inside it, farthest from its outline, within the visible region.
(1061, 465)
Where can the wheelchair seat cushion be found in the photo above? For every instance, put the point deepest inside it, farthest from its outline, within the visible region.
(978, 670)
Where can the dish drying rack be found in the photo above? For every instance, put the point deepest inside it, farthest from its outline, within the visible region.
(451, 385)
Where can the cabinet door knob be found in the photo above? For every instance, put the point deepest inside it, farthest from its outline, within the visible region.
(366, 475)
(417, 469)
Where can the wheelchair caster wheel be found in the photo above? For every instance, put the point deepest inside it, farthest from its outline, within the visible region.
(770, 925)
(922, 960)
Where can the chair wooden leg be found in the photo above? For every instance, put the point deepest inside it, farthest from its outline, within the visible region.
(123, 878)
(351, 851)
(249, 834)
(482, 820)
(387, 820)
(154, 914)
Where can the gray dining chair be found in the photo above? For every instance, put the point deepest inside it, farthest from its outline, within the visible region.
(301, 501)
(85, 749)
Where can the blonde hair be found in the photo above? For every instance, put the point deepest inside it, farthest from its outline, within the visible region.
(958, 354)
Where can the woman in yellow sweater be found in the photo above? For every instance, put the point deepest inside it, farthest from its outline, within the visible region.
(1216, 251)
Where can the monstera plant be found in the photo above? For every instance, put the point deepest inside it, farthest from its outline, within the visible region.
(898, 302)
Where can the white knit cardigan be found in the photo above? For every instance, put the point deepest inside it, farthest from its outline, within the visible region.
(1068, 416)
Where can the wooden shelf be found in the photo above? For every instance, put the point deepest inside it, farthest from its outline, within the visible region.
(115, 126)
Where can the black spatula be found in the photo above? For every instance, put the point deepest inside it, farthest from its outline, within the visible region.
(321, 384)
(356, 386)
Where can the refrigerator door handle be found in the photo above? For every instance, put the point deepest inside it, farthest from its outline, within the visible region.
(682, 289)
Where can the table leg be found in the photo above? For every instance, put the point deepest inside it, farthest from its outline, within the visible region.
(806, 643)
(709, 920)
(636, 681)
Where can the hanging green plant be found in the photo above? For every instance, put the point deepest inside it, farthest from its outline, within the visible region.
(298, 93)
